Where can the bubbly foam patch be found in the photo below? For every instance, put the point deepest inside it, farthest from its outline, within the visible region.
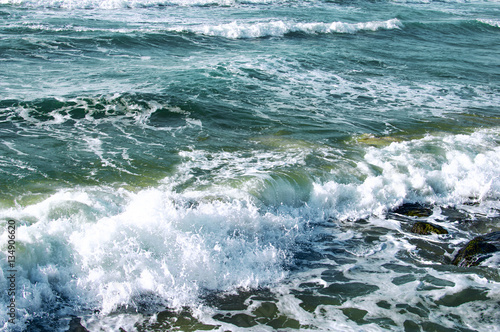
(289, 83)
(395, 292)
(155, 249)
(443, 170)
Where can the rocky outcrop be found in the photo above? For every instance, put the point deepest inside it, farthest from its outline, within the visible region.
(413, 210)
(477, 250)
(425, 228)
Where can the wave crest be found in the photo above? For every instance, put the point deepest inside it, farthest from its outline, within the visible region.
(493, 23)
(236, 30)
(116, 4)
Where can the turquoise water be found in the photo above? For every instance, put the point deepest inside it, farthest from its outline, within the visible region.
(239, 165)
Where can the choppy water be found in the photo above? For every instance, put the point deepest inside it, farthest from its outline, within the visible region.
(238, 165)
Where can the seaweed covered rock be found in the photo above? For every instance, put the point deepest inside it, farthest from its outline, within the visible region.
(477, 250)
(426, 228)
(413, 210)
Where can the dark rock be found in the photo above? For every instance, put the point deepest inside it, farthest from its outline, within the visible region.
(477, 250)
(452, 214)
(413, 210)
(425, 228)
(76, 326)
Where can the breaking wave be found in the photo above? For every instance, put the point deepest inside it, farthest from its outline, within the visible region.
(237, 30)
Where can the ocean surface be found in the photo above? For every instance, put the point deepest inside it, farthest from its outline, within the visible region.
(246, 165)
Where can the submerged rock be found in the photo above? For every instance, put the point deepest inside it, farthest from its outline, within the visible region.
(477, 250)
(413, 210)
(377, 141)
(426, 228)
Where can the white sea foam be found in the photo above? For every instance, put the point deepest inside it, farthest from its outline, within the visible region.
(397, 292)
(437, 169)
(234, 30)
(116, 4)
(493, 23)
(155, 246)
(280, 28)
(460, 167)
(294, 85)
(111, 249)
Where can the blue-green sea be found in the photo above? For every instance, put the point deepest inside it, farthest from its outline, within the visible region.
(248, 165)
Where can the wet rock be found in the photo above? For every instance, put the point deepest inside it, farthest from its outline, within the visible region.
(425, 228)
(477, 250)
(413, 210)
(453, 214)
(76, 326)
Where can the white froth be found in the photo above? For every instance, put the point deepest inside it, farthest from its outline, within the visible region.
(493, 23)
(425, 290)
(279, 28)
(11, 145)
(466, 168)
(117, 4)
(234, 30)
(114, 249)
(156, 247)
(304, 88)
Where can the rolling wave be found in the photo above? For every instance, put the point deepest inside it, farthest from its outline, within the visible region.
(493, 23)
(234, 30)
(117, 4)
(237, 30)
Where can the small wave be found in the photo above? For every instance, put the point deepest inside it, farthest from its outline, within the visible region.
(236, 30)
(29, 27)
(117, 4)
(233, 30)
(493, 23)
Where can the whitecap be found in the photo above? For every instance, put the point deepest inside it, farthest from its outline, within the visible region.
(279, 28)
(493, 23)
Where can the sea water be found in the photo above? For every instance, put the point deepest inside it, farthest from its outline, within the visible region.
(235, 165)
